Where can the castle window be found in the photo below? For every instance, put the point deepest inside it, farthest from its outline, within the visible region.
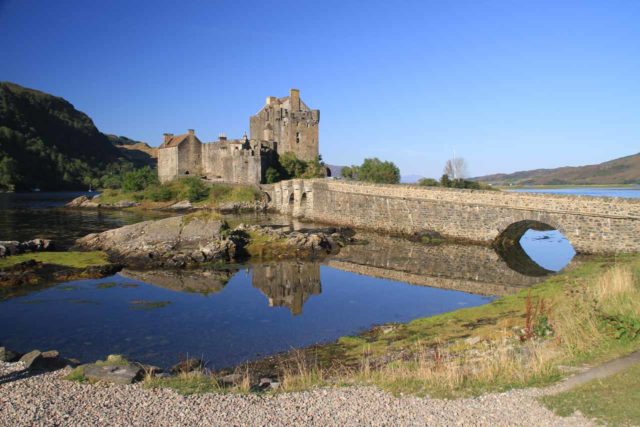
(297, 137)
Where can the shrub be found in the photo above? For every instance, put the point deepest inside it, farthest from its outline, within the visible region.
(272, 175)
(160, 193)
(139, 179)
(194, 189)
(428, 182)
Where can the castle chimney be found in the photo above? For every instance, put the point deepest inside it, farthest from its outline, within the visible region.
(167, 137)
(222, 137)
(191, 132)
(294, 96)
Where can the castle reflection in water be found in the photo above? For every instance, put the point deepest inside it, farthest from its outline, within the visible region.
(468, 268)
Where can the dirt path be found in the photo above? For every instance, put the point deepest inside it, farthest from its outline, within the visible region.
(601, 371)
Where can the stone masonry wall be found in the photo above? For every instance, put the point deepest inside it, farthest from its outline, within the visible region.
(592, 225)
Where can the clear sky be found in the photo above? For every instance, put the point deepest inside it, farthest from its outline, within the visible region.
(509, 85)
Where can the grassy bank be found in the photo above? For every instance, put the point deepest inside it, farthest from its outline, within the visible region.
(586, 315)
(198, 192)
(65, 259)
(612, 400)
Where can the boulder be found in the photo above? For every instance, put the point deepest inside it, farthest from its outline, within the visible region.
(180, 206)
(122, 204)
(43, 361)
(10, 247)
(187, 365)
(117, 374)
(77, 202)
(230, 379)
(268, 384)
(172, 242)
(7, 355)
(31, 359)
(14, 247)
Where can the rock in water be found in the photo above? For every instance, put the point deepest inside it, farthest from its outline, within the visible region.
(183, 205)
(77, 202)
(120, 374)
(123, 204)
(188, 365)
(31, 359)
(175, 241)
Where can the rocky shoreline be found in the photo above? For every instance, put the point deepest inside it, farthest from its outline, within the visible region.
(14, 247)
(189, 240)
(48, 399)
(179, 206)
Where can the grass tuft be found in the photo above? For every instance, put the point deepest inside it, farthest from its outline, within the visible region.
(67, 259)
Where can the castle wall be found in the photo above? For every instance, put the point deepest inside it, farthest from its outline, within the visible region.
(227, 161)
(190, 157)
(167, 164)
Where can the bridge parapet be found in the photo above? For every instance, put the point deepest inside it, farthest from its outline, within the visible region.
(592, 224)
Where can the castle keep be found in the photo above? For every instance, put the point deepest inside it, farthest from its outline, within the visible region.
(282, 125)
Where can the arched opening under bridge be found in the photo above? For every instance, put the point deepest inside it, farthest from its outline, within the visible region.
(534, 248)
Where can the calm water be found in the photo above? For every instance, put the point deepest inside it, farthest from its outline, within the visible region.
(25, 216)
(626, 192)
(228, 317)
(248, 317)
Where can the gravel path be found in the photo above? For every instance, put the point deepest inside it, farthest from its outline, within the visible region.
(47, 399)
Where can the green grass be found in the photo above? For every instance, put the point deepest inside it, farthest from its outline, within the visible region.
(187, 384)
(614, 400)
(67, 259)
(582, 333)
(264, 246)
(201, 194)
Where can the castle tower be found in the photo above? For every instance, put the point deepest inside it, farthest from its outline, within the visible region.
(290, 123)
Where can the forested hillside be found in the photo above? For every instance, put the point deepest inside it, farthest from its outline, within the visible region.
(46, 143)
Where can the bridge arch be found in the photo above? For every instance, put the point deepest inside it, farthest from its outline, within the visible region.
(304, 203)
(509, 246)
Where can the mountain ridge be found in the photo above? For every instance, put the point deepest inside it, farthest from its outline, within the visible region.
(623, 170)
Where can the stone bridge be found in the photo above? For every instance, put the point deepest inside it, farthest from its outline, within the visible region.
(595, 225)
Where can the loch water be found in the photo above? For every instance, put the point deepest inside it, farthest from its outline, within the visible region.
(240, 313)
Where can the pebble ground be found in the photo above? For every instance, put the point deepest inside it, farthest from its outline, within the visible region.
(49, 400)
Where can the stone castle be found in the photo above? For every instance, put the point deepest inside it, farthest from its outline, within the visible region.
(282, 125)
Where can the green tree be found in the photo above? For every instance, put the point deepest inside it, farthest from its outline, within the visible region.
(445, 181)
(292, 166)
(378, 171)
(8, 174)
(315, 169)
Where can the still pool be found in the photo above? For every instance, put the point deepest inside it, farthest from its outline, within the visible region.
(222, 317)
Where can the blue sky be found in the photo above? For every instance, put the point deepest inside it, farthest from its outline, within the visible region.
(508, 85)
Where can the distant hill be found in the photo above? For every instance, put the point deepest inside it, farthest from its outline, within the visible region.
(410, 179)
(625, 170)
(46, 143)
(140, 153)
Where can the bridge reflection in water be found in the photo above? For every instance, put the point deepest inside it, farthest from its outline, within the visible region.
(474, 269)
